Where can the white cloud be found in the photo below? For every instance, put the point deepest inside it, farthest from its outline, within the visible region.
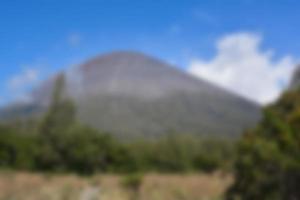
(20, 84)
(25, 78)
(242, 67)
(74, 39)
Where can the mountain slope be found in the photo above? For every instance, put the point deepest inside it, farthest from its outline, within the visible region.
(295, 82)
(131, 94)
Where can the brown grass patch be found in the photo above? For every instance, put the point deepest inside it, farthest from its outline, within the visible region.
(28, 186)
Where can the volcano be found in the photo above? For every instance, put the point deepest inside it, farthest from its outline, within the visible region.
(129, 94)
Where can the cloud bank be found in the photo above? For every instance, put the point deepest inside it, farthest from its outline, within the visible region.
(243, 68)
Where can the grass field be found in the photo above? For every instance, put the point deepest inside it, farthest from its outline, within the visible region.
(27, 186)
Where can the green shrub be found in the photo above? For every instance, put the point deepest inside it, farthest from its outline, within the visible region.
(268, 162)
(133, 181)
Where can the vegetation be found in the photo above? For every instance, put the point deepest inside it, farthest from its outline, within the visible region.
(133, 183)
(268, 164)
(85, 151)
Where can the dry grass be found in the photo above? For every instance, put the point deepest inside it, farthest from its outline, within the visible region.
(26, 186)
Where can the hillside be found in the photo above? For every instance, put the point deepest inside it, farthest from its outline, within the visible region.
(295, 82)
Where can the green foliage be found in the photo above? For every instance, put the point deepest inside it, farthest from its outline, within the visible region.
(57, 121)
(181, 153)
(268, 163)
(87, 151)
(133, 181)
(16, 150)
(84, 150)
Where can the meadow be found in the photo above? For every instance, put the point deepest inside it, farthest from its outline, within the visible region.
(153, 186)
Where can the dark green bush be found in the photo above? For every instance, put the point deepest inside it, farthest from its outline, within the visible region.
(268, 163)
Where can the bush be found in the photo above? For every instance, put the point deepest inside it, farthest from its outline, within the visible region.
(268, 163)
(16, 150)
(133, 183)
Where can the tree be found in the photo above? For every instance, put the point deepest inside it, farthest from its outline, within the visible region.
(66, 145)
(17, 150)
(60, 117)
(88, 151)
(268, 163)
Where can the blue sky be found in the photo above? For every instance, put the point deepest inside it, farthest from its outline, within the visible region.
(41, 37)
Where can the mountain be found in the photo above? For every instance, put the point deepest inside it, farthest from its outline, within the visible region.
(131, 94)
(295, 82)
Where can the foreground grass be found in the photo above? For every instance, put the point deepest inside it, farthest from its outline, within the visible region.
(28, 186)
